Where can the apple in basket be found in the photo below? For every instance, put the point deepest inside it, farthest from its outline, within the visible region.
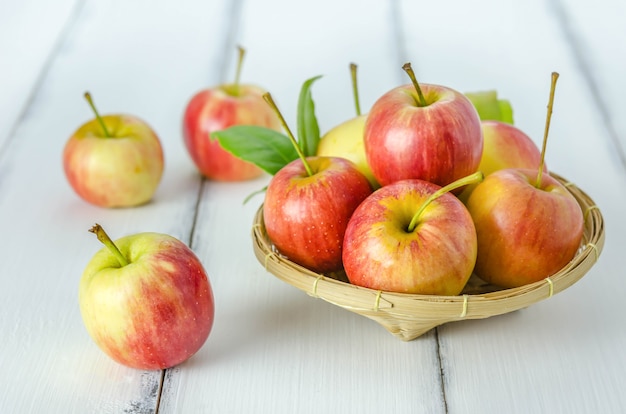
(145, 300)
(412, 236)
(113, 160)
(307, 207)
(505, 146)
(215, 109)
(346, 139)
(429, 132)
(528, 224)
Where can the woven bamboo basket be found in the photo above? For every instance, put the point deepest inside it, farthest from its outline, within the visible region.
(408, 316)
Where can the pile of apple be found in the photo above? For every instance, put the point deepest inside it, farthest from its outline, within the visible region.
(418, 194)
(428, 188)
(146, 299)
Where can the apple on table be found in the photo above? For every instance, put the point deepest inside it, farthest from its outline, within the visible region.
(217, 108)
(146, 300)
(429, 132)
(113, 160)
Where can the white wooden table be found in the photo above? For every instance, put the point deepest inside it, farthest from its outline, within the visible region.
(273, 349)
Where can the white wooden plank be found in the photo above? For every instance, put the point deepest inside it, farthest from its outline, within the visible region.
(273, 348)
(132, 62)
(29, 32)
(596, 33)
(560, 355)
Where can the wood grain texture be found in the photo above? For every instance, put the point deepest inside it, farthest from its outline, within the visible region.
(30, 32)
(130, 63)
(273, 349)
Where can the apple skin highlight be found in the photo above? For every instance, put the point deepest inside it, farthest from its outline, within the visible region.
(154, 313)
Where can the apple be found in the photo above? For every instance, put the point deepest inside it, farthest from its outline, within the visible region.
(528, 224)
(412, 236)
(307, 207)
(429, 132)
(526, 232)
(346, 139)
(217, 108)
(113, 160)
(146, 300)
(505, 146)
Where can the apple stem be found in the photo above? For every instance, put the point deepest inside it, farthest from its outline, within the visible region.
(554, 78)
(98, 117)
(106, 240)
(470, 179)
(409, 70)
(355, 89)
(242, 53)
(268, 98)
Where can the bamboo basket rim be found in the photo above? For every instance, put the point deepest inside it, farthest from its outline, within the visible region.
(408, 316)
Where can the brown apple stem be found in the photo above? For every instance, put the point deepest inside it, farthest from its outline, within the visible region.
(554, 78)
(106, 240)
(98, 117)
(355, 89)
(470, 179)
(268, 98)
(409, 70)
(242, 53)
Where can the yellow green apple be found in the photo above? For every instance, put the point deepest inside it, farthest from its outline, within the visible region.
(346, 140)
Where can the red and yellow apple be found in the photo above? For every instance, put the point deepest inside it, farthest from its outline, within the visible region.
(114, 160)
(526, 231)
(217, 108)
(146, 300)
(306, 214)
(411, 236)
(433, 135)
(505, 146)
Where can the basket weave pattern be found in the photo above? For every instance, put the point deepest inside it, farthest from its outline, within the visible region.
(408, 316)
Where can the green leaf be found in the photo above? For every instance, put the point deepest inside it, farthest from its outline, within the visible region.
(268, 149)
(489, 107)
(506, 111)
(308, 128)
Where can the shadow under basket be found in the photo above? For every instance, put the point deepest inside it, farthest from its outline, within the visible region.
(408, 316)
